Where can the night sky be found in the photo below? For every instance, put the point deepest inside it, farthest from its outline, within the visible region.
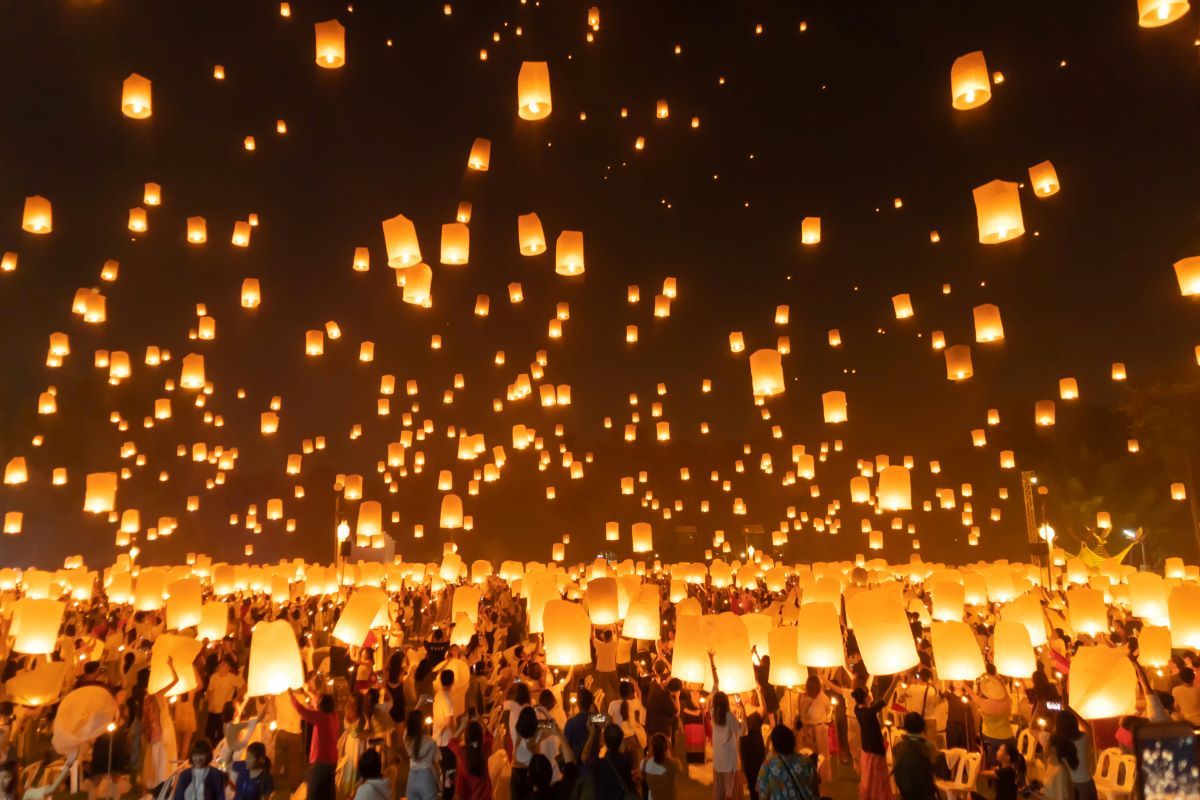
(835, 110)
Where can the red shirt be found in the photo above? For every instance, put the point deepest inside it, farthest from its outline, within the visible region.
(324, 748)
(466, 785)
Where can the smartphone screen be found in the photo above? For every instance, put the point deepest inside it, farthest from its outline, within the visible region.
(1168, 762)
(545, 724)
(598, 719)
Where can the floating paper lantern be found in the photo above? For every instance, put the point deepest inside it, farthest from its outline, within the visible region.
(184, 604)
(38, 218)
(1156, 13)
(641, 537)
(947, 600)
(531, 240)
(171, 663)
(902, 305)
(998, 211)
(731, 655)
(135, 97)
(357, 618)
(100, 494)
(1044, 179)
(1187, 271)
(601, 597)
(38, 687)
(568, 253)
(1154, 646)
(642, 619)
(400, 241)
(533, 90)
(331, 44)
(810, 230)
(1183, 606)
(970, 85)
(881, 628)
(370, 519)
(1103, 682)
(418, 280)
(1178, 491)
(955, 651)
(1086, 611)
(786, 669)
(456, 243)
(689, 661)
(833, 406)
(958, 362)
(1012, 652)
(451, 515)
(895, 489)
(40, 619)
(988, 327)
(766, 373)
(481, 155)
(1148, 597)
(275, 664)
(251, 293)
(1043, 413)
(214, 621)
(197, 230)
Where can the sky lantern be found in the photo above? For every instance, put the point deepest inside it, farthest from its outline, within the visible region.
(330, 44)
(191, 372)
(480, 157)
(1148, 597)
(833, 406)
(731, 655)
(184, 604)
(1183, 606)
(958, 362)
(810, 230)
(642, 537)
(251, 293)
(988, 326)
(1044, 179)
(1043, 413)
(100, 494)
(998, 212)
(970, 83)
(533, 90)
(902, 305)
(881, 629)
(566, 634)
(1012, 652)
(38, 218)
(568, 253)
(275, 664)
(418, 280)
(357, 618)
(1068, 389)
(400, 241)
(1103, 682)
(135, 97)
(456, 243)
(451, 515)
(1178, 491)
(1087, 611)
(1156, 13)
(1154, 646)
(690, 662)
(370, 519)
(197, 230)
(530, 238)
(214, 621)
(947, 600)
(601, 597)
(642, 619)
(766, 373)
(1187, 270)
(40, 619)
(955, 651)
(786, 669)
(895, 489)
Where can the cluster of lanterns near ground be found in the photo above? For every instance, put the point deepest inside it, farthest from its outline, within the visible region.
(884, 490)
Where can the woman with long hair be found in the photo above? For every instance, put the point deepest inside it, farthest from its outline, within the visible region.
(423, 757)
(727, 730)
(815, 709)
(660, 769)
(471, 751)
(1071, 744)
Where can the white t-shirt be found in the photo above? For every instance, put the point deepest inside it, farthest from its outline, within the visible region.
(1187, 702)
(443, 715)
(606, 656)
(725, 744)
(221, 689)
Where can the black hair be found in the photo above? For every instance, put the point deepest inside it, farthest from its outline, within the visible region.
(473, 740)
(914, 723)
(659, 744)
(585, 699)
(446, 679)
(783, 740)
(259, 751)
(720, 708)
(540, 772)
(614, 737)
(526, 725)
(546, 699)
(326, 704)
(202, 747)
(370, 764)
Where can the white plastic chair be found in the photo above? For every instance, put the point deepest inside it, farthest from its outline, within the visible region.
(965, 775)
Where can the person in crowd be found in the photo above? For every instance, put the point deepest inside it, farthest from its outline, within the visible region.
(472, 749)
(660, 770)
(727, 730)
(323, 751)
(252, 777)
(200, 780)
(423, 761)
(372, 785)
(787, 774)
(1071, 744)
(913, 761)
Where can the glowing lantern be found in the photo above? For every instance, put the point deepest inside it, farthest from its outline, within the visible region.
(1068, 388)
(1184, 611)
(948, 598)
(1148, 597)
(451, 512)
(1012, 652)
(881, 629)
(214, 621)
(1154, 646)
(970, 84)
(988, 327)
(568, 253)
(400, 241)
(1087, 612)
(1104, 683)
(533, 90)
(481, 155)
(40, 619)
(197, 230)
(418, 280)
(642, 619)
(998, 211)
(370, 519)
(171, 662)
(275, 664)
(184, 604)
(810, 230)
(456, 243)
(641, 537)
(1156, 13)
(955, 651)
(766, 373)
(1178, 491)
(1187, 271)
(357, 618)
(1043, 413)
(100, 495)
(1044, 179)
(38, 218)
(137, 219)
(731, 655)
(895, 489)
(902, 305)
(690, 662)
(958, 362)
(331, 44)
(135, 97)
(251, 293)
(530, 238)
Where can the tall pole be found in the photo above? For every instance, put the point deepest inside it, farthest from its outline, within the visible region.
(1031, 533)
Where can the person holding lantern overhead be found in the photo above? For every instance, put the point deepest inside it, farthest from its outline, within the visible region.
(323, 752)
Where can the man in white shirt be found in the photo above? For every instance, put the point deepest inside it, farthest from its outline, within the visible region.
(289, 761)
(223, 687)
(1187, 697)
(444, 723)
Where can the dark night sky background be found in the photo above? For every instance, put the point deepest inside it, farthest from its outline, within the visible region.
(833, 122)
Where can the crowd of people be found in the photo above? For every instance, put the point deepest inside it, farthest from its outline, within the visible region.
(415, 711)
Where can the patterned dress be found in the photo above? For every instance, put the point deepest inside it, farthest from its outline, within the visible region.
(790, 777)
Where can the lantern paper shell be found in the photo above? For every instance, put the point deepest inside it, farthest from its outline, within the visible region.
(881, 629)
(1184, 607)
(83, 715)
(533, 90)
(1187, 272)
(1087, 612)
(480, 157)
(39, 218)
(833, 406)
(357, 617)
(275, 664)
(451, 515)
(567, 634)
(136, 101)
(330, 44)
(214, 621)
(400, 241)
(456, 243)
(1044, 179)
(642, 620)
(1103, 682)
(766, 373)
(988, 325)
(786, 669)
(690, 662)
(1148, 597)
(731, 655)
(958, 362)
(184, 604)
(530, 237)
(38, 687)
(568, 253)
(1027, 610)
(895, 488)
(970, 83)
(172, 657)
(1156, 13)
(947, 600)
(998, 212)
(40, 619)
(1012, 652)
(601, 597)
(955, 651)
(810, 230)
(1154, 646)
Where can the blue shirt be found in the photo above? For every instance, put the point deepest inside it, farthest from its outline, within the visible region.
(250, 788)
(576, 732)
